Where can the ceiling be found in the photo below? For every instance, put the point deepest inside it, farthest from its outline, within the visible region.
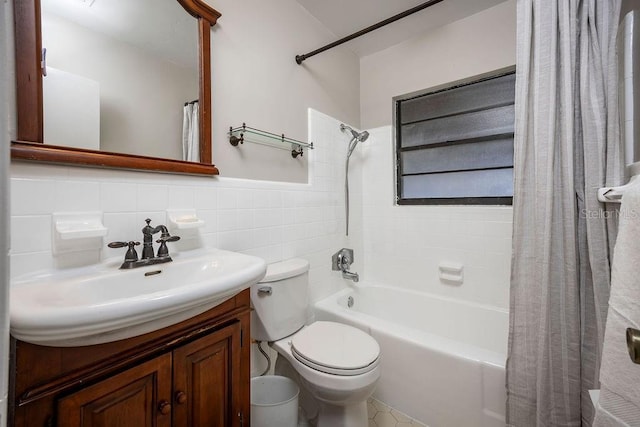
(346, 17)
(173, 34)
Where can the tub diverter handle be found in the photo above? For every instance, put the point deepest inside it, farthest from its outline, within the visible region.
(341, 261)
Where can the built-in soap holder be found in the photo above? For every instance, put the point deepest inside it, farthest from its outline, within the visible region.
(451, 273)
(184, 219)
(77, 231)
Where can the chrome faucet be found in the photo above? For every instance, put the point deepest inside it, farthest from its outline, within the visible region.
(148, 258)
(341, 261)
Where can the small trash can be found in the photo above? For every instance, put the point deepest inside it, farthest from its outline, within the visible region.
(274, 402)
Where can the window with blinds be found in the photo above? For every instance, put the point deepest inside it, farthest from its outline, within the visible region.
(455, 145)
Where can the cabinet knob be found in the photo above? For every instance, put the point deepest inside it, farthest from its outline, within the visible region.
(164, 407)
(181, 397)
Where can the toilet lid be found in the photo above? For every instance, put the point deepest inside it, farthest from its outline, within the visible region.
(335, 348)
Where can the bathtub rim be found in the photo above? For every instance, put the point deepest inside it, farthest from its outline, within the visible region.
(431, 341)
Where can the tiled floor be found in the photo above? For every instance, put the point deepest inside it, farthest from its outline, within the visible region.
(381, 415)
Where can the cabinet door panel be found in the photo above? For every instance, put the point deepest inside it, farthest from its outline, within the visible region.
(137, 397)
(204, 375)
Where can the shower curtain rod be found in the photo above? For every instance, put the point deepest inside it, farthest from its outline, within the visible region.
(300, 58)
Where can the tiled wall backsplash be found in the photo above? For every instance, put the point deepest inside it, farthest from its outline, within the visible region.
(394, 245)
(405, 244)
(271, 220)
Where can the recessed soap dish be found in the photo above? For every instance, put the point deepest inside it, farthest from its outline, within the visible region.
(77, 231)
(69, 230)
(188, 222)
(451, 272)
(184, 219)
(79, 225)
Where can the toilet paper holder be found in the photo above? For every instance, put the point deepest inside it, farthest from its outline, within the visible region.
(633, 344)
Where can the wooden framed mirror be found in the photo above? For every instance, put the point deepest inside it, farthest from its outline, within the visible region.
(31, 142)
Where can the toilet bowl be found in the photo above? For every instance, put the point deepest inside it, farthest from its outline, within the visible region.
(337, 364)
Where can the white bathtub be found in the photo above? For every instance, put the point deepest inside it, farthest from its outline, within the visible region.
(443, 361)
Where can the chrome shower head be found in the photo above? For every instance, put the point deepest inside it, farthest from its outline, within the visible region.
(360, 137)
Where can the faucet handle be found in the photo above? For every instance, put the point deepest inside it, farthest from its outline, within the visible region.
(131, 254)
(168, 239)
(342, 260)
(163, 251)
(115, 245)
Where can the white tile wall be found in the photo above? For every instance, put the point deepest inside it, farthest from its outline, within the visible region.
(400, 245)
(404, 244)
(268, 219)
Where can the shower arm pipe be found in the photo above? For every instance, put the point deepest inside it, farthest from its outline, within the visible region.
(301, 58)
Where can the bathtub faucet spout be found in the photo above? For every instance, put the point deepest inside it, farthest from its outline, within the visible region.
(341, 261)
(351, 276)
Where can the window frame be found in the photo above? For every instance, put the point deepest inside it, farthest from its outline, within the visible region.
(397, 152)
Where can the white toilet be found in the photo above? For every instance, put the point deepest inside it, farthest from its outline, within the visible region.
(335, 365)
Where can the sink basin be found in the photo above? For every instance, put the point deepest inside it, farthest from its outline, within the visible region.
(100, 303)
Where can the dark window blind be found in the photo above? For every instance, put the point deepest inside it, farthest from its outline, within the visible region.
(455, 146)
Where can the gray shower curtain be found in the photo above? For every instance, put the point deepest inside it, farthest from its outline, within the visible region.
(566, 146)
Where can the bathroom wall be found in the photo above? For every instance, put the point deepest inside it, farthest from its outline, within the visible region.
(271, 220)
(6, 100)
(477, 44)
(255, 80)
(404, 244)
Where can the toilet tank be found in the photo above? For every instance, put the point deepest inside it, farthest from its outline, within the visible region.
(280, 300)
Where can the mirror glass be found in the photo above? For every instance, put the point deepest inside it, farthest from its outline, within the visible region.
(121, 77)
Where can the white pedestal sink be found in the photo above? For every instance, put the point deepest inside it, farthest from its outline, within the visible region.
(100, 303)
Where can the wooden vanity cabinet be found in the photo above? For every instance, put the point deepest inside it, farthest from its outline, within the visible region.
(138, 396)
(195, 373)
(204, 373)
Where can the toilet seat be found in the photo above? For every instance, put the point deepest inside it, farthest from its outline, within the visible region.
(335, 348)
